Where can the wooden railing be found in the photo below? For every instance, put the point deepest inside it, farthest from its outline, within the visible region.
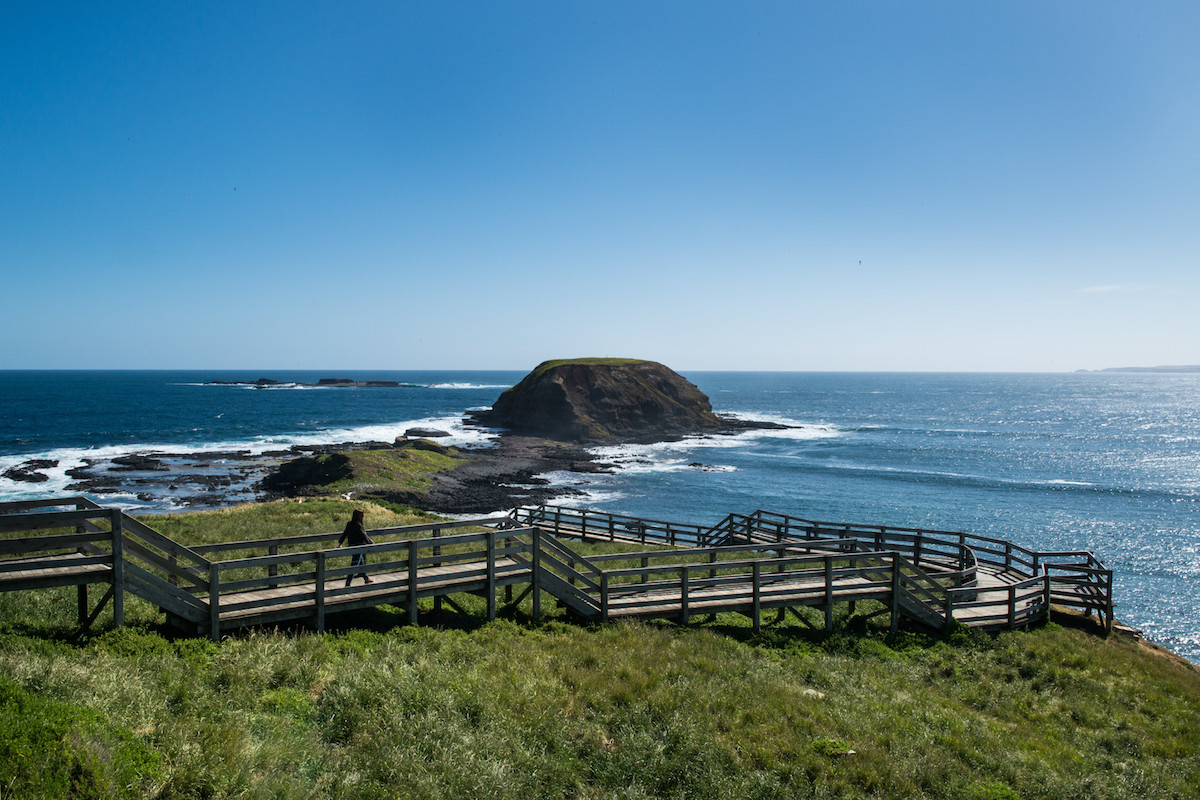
(1075, 579)
(107, 547)
(601, 526)
(477, 562)
(761, 560)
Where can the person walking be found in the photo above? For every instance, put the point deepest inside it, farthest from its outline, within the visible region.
(355, 535)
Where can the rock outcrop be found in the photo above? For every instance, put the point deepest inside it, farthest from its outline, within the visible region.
(603, 399)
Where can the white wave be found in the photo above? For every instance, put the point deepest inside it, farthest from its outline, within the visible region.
(468, 386)
(794, 430)
(283, 387)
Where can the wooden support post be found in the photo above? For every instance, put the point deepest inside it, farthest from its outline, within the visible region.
(273, 569)
(214, 601)
(1012, 606)
(895, 592)
(1046, 591)
(1108, 602)
(829, 593)
(437, 553)
(537, 575)
(118, 569)
(87, 623)
(645, 563)
(756, 589)
(491, 575)
(683, 595)
(712, 559)
(319, 612)
(604, 597)
(412, 583)
(81, 594)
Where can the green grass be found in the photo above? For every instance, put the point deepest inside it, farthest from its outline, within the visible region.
(280, 518)
(409, 469)
(463, 708)
(398, 471)
(546, 366)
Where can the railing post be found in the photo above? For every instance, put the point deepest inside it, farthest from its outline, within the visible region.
(81, 596)
(1046, 590)
(81, 592)
(273, 569)
(412, 580)
(320, 587)
(828, 593)
(214, 601)
(1012, 606)
(1108, 603)
(756, 589)
(537, 575)
(604, 597)
(491, 575)
(683, 595)
(895, 592)
(118, 569)
(437, 553)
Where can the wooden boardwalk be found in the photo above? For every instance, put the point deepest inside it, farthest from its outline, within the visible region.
(747, 564)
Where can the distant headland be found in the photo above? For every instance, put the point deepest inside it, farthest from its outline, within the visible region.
(1185, 368)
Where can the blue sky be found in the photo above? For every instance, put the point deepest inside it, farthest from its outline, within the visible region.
(790, 186)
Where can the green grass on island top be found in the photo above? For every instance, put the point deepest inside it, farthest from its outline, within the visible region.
(463, 708)
(586, 362)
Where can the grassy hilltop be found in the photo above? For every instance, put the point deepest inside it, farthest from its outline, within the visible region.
(461, 708)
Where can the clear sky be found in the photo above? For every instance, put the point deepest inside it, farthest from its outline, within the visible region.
(737, 185)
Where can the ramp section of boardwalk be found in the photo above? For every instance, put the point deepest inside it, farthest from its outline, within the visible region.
(747, 564)
(977, 580)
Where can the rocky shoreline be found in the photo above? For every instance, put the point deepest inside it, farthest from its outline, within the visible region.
(486, 480)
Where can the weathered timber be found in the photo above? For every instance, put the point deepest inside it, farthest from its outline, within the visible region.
(745, 564)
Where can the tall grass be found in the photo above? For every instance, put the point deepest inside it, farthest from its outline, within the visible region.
(460, 707)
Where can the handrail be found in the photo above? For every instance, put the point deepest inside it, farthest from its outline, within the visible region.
(314, 538)
(763, 558)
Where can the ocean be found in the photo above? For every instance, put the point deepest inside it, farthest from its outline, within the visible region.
(1107, 462)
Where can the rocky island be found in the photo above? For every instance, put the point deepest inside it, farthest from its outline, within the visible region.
(603, 400)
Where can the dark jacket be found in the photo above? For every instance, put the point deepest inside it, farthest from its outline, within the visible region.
(355, 534)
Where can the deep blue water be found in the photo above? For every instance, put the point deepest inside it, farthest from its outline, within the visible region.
(1098, 461)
